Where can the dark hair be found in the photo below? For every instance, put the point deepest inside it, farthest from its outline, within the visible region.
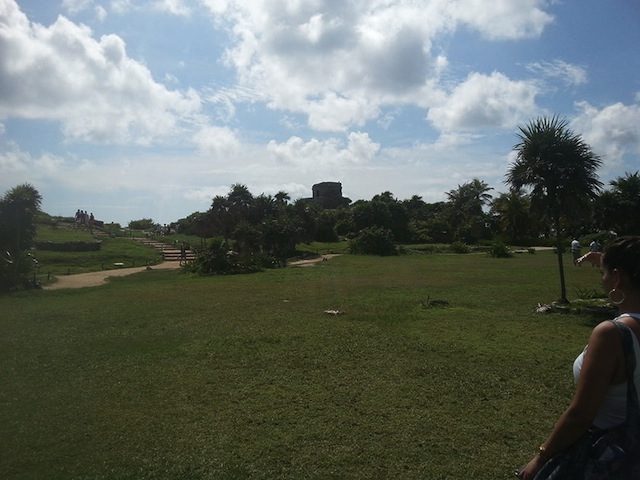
(623, 254)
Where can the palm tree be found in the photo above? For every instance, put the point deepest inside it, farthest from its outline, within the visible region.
(512, 213)
(282, 197)
(467, 202)
(560, 168)
(627, 194)
(18, 209)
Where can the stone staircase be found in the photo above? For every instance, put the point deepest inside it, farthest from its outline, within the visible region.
(170, 253)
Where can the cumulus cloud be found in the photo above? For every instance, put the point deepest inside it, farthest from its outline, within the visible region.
(612, 132)
(340, 63)
(359, 149)
(99, 94)
(485, 101)
(217, 141)
(504, 19)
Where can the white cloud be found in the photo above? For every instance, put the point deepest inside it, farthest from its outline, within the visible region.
(570, 75)
(12, 160)
(485, 101)
(101, 13)
(76, 6)
(99, 94)
(340, 63)
(217, 141)
(334, 112)
(503, 19)
(120, 6)
(613, 132)
(315, 153)
(174, 7)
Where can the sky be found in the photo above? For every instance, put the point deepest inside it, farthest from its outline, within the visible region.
(133, 109)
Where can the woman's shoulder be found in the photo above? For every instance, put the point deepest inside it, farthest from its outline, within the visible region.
(604, 333)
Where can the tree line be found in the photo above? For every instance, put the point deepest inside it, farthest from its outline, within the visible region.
(471, 214)
(552, 192)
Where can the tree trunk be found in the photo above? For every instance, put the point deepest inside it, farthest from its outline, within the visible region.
(559, 248)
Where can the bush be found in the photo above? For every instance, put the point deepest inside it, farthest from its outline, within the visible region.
(219, 259)
(374, 241)
(500, 250)
(459, 247)
(142, 224)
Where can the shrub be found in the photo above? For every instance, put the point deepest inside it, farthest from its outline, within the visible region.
(218, 259)
(459, 247)
(374, 241)
(500, 250)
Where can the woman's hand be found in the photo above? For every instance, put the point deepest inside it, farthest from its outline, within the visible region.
(531, 469)
(591, 257)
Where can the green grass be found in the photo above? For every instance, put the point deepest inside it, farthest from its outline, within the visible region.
(162, 375)
(62, 234)
(113, 250)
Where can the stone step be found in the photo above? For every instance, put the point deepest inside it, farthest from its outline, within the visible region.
(170, 253)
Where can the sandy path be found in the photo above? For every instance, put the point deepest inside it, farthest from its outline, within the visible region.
(312, 261)
(94, 279)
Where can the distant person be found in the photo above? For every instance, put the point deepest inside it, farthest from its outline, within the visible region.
(600, 399)
(594, 246)
(183, 253)
(576, 250)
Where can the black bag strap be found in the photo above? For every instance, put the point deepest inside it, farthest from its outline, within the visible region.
(633, 406)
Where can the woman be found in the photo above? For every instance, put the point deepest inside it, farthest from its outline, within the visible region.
(600, 397)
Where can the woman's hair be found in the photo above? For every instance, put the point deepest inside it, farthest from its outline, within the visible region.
(623, 254)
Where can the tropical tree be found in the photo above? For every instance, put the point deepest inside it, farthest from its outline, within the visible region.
(466, 213)
(617, 209)
(282, 198)
(511, 210)
(240, 201)
(18, 209)
(220, 218)
(560, 169)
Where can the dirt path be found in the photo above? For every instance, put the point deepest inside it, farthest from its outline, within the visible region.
(313, 261)
(94, 279)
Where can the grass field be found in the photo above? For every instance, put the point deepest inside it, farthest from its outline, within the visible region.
(113, 250)
(162, 375)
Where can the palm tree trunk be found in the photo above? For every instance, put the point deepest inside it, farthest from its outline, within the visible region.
(559, 248)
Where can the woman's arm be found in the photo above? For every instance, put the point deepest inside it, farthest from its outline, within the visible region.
(591, 257)
(600, 365)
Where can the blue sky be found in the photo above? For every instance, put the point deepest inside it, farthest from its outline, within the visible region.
(137, 109)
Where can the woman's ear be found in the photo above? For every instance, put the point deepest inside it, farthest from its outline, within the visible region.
(619, 278)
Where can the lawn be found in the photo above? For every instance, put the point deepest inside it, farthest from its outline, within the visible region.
(162, 375)
(112, 250)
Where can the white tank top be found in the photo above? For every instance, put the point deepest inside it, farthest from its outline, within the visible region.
(613, 410)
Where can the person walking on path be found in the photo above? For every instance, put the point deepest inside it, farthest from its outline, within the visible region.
(576, 250)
